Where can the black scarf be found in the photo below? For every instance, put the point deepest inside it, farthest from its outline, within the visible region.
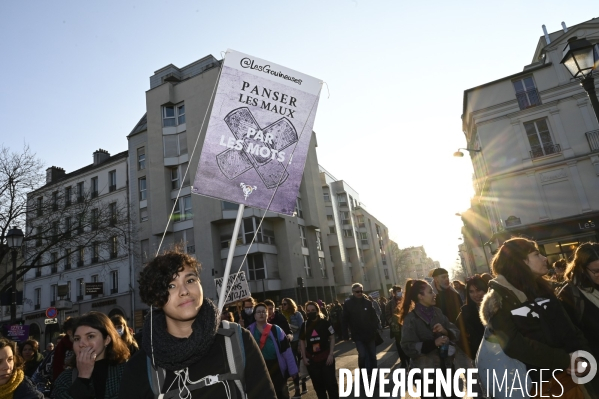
(172, 353)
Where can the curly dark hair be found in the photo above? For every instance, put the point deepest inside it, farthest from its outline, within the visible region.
(19, 362)
(116, 351)
(157, 275)
(475, 281)
(509, 262)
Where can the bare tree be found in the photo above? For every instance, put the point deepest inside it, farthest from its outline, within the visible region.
(60, 227)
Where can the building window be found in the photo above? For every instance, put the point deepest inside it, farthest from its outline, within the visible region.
(186, 239)
(80, 191)
(175, 178)
(318, 241)
(332, 230)
(141, 158)
(342, 199)
(68, 257)
(539, 138)
(80, 289)
(67, 196)
(54, 262)
(307, 266)
(114, 247)
(302, 231)
(114, 281)
(40, 206)
(348, 233)
(68, 290)
(143, 214)
(183, 210)
(378, 230)
(256, 267)
(38, 236)
(53, 294)
(345, 217)
(173, 115)
(80, 219)
(142, 189)
(298, 208)
(364, 238)
(112, 180)
(55, 231)
(95, 278)
(175, 145)
(112, 213)
(94, 187)
(94, 221)
(330, 218)
(361, 221)
(55, 201)
(526, 93)
(37, 298)
(326, 196)
(80, 256)
(386, 272)
(95, 252)
(364, 274)
(384, 259)
(323, 267)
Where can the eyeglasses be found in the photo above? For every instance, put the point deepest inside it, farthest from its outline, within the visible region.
(358, 292)
(260, 312)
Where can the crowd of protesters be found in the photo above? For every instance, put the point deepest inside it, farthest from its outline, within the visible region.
(527, 316)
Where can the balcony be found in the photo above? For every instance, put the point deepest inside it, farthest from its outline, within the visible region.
(113, 255)
(67, 266)
(37, 307)
(95, 259)
(94, 194)
(538, 151)
(79, 263)
(593, 139)
(79, 298)
(112, 188)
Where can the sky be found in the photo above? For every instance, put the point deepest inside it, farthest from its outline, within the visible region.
(389, 118)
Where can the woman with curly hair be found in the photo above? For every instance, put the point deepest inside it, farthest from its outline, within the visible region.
(182, 345)
(14, 384)
(99, 361)
(525, 318)
(580, 296)
(122, 329)
(32, 356)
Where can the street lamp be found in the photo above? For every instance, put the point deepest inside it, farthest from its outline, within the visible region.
(460, 154)
(581, 57)
(14, 239)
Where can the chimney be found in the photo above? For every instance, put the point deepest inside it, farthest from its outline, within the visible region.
(53, 174)
(100, 156)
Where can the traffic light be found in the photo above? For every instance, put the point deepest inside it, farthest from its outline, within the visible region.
(300, 282)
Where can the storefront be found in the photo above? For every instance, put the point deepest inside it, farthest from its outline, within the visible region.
(559, 239)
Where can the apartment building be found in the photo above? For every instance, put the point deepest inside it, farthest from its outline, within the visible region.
(414, 263)
(79, 251)
(359, 242)
(289, 255)
(537, 159)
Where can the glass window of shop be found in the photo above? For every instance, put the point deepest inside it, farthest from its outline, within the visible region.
(564, 248)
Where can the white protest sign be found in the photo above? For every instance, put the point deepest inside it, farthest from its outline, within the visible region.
(374, 295)
(258, 135)
(237, 287)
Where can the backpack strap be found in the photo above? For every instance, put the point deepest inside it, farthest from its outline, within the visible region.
(235, 354)
(156, 377)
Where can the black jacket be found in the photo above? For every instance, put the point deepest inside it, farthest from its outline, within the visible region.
(471, 329)
(360, 317)
(282, 322)
(26, 390)
(450, 303)
(136, 384)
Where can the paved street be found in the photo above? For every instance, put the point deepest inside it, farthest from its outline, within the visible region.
(347, 357)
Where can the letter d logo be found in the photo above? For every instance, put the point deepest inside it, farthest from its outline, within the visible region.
(590, 362)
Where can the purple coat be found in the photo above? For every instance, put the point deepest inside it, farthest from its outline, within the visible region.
(286, 359)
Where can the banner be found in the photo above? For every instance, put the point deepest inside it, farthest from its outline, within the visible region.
(237, 287)
(258, 134)
(18, 333)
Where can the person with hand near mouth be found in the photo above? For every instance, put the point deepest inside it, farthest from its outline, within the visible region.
(13, 382)
(99, 361)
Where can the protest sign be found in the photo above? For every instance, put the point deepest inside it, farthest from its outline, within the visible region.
(18, 333)
(374, 295)
(258, 134)
(237, 287)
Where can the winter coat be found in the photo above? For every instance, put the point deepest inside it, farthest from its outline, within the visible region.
(390, 308)
(62, 386)
(360, 317)
(449, 301)
(280, 320)
(30, 366)
(26, 390)
(63, 348)
(418, 339)
(585, 315)
(540, 340)
(471, 329)
(282, 348)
